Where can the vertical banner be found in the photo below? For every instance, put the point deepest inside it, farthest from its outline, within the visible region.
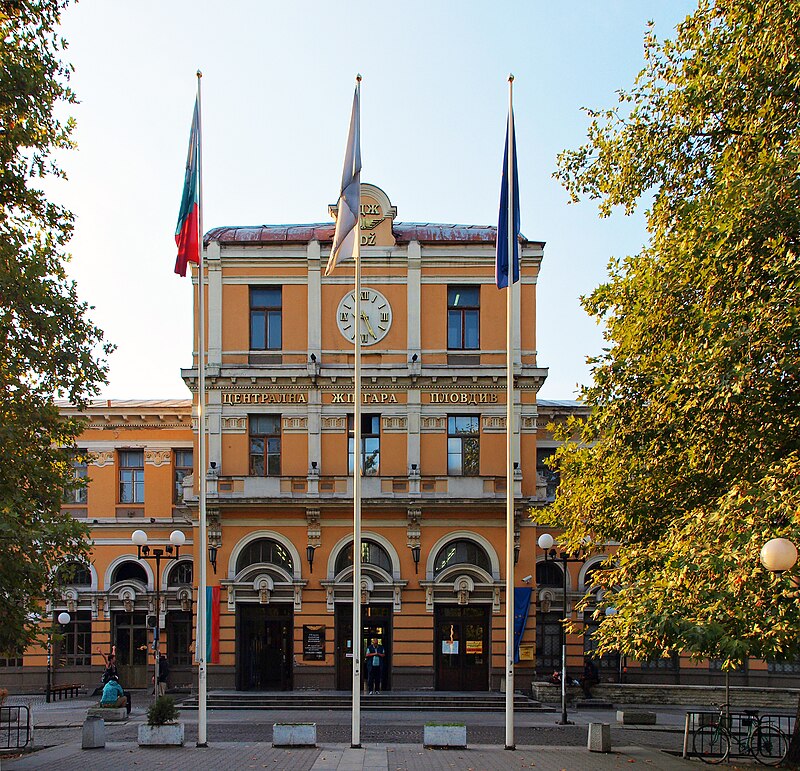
(212, 624)
(522, 604)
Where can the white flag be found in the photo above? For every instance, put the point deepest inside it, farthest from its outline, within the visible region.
(347, 227)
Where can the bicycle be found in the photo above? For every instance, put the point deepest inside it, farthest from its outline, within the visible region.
(764, 741)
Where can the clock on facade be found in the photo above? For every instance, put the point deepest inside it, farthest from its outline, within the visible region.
(376, 316)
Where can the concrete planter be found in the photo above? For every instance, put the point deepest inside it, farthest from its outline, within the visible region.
(438, 735)
(294, 735)
(168, 735)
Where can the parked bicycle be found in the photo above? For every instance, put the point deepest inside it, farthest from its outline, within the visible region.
(753, 735)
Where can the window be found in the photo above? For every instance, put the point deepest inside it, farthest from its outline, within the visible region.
(78, 495)
(784, 667)
(548, 642)
(179, 635)
(75, 646)
(463, 445)
(370, 444)
(549, 574)
(371, 554)
(463, 317)
(74, 574)
(131, 476)
(264, 551)
(11, 660)
(461, 552)
(181, 574)
(130, 570)
(184, 465)
(548, 475)
(265, 445)
(668, 662)
(608, 663)
(265, 318)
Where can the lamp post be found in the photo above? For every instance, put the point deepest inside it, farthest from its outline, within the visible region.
(63, 618)
(546, 543)
(143, 551)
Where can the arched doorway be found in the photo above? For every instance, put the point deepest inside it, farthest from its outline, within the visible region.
(129, 627)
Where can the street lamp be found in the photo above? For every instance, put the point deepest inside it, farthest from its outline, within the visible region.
(546, 543)
(63, 618)
(143, 551)
(778, 555)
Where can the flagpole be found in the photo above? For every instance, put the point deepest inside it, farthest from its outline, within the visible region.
(510, 432)
(200, 643)
(356, 718)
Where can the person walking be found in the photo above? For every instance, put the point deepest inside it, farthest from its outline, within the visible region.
(163, 674)
(375, 656)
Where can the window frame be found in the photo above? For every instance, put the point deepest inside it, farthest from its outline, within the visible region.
(272, 315)
(78, 630)
(369, 439)
(267, 470)
(78, 496)
(457, 315)
(135, 474)
(180, 471)
(458, 438)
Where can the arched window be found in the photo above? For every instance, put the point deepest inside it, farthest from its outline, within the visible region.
(371, 554)
(461, 552)
(74, 574)
(265, 550)
(549, 574)
(129, 570)
(181, 574)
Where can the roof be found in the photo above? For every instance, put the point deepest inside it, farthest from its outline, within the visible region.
(127, 404)
(404, 232)
(568, 403)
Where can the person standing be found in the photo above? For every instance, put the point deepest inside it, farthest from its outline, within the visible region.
(375, 656)
(163, 674)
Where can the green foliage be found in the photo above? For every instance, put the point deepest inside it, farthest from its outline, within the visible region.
(48, 349)
(162, 711)
(691, 456)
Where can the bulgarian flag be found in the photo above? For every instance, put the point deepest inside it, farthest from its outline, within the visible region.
(186, 233)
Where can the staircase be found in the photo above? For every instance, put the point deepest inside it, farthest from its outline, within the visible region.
(395, 701)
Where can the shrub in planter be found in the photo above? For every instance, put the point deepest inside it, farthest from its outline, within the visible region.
(162, 711)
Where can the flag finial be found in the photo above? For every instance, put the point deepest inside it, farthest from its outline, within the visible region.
(199, 74)
(510, 77)
(358, 77)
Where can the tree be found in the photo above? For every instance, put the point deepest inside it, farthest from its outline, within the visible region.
(48, 348)
(690, 458)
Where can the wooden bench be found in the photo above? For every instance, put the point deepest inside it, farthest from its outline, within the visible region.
(66, 690)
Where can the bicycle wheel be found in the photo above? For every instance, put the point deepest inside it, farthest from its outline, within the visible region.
(711, 744)
(769, 745)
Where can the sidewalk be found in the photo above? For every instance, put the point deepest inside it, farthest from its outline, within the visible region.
(241, 756)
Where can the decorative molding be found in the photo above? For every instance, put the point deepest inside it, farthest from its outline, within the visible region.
(397, 596)
(394, 424)
(314, 527)
(298, 598)
(157, 457)
(493, 424)
(295, 424)
(528, 423)
(334, 423)
(433, 423)
(102, 458)
(234, 424)
(330, 599)
(413, 528)
(496, 600)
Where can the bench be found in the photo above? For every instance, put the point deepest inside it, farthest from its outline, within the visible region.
(109, 714)
(635, 717)
(65, 690)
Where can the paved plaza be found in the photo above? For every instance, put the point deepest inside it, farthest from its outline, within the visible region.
(391, 741)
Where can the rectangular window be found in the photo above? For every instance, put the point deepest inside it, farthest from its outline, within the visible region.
(11, 660)
(546, 475)
(463, 445)
(183, 464)
(265, 445)
(131, 476)
(79, 471)
(370, 444)
(463, 318)
(266, 326)
(75, 648)
(548, 642)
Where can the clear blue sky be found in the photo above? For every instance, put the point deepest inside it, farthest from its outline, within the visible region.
(277, 90)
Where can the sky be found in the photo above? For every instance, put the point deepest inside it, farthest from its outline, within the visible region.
(277, 90)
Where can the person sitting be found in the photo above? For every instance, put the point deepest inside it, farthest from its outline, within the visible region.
(113, 696)
(590, 677)
(555, 678)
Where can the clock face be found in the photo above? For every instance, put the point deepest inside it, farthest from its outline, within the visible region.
(376, 316)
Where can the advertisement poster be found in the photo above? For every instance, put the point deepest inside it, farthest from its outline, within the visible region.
(313, 643)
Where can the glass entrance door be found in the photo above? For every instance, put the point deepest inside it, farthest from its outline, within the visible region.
(264, 647)
(462, 648)
(376, 622)
(130, 637)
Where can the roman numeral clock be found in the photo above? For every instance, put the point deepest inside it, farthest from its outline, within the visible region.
(376, 316)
